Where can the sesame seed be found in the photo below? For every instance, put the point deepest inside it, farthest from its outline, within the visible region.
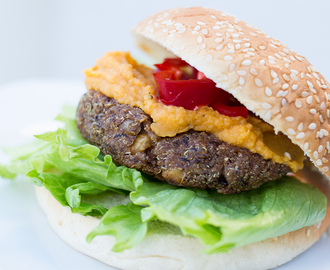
(278, 56)
(289, 119)
(284, 102)
(279, 93)
(197, 28)
(286, 77)
(309, 100)
(313, 90)
(322, 106)
(324, 132)
(218, 40)
(164, 30)
(286, 154)
(317, 99)
(309, 83)
(300, 135)
(315, 154)
(199, 40)
(241, 72)
(294, 87)
(258, 82)
(182, 30)
(247, 45)
(253, 71)
(320, 149)
(271, 58)
(268, 116)
(285, 86)
(219, 48)
(266, 106)
(286, 60)
(325, 169)
(275, 81)
(216, 27)
(312, 111)
(232, 67)
(316, 76)
(238, 46)
(273, 74)
(286, 65)
(306, 145)
(261, 62)
(291, 131)
(241, 81)
(202, 47)
(268, 91)
(262, 48)
(169, 37)
(228, 58)
(246, 63)
(298, 103)
(208, 58)
(319, 162)
(250, 107)
(304, 94)
(286, 51)
(300, 126)
(201, 23)
(231, 51)
(292, 58)
(205, 32)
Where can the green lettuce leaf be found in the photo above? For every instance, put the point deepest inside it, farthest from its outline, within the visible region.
(73, 170)
(125, 223)
(225, 221)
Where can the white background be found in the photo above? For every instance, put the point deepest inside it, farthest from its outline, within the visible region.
(45, 45)
(58, 39)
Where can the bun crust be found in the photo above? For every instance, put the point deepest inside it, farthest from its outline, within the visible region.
(269, 78)
(172, 251)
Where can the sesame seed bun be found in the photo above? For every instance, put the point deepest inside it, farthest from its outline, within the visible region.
(166, 250)
(269, 78)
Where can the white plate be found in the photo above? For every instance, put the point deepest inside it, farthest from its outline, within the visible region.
(26, 240)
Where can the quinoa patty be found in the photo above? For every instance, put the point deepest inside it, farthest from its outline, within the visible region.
(191, 159)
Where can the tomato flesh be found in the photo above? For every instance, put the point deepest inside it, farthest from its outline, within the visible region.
(192, 90)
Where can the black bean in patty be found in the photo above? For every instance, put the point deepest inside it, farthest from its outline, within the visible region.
(192, 159)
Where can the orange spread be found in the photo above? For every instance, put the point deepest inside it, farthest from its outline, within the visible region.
(117, 75)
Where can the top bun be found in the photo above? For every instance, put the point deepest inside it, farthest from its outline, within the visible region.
(270, 79)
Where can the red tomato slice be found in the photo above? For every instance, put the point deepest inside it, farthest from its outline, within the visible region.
(177, 89)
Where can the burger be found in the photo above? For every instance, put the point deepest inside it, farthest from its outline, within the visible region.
(192, 164)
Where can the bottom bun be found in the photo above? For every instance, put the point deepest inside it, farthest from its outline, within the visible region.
(163, 249)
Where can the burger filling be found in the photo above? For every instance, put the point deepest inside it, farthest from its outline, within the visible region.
(190, 159)
(118, 76)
